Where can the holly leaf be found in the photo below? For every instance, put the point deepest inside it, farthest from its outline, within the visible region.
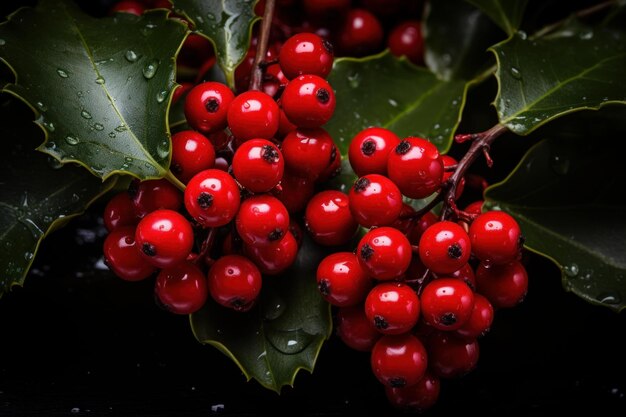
(564, 195)
(227, 24)
(456, 37)
(38, 194)
(282, 334)
(389, 92)
(100, 87)
(574, 68)
(507, 14)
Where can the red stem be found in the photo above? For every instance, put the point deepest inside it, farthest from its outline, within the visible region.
(256, 78)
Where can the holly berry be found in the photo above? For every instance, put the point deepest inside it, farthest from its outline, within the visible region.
(406, 39)
(123, 257)
(150, 195)
(369, 150)
(164, 237)
(480, 320)
(444, 247)
(393, 307)
(308, 152)
(375, 200)
(361, 33)
(295, 192)
(496, 237)
(416, 167)
(306, 53)
(308, 101)
(261, 220)
(505, 285)
(446, 303)
(384, 253)
(119, 211)
(212, 198)
(182, 288)
(418, 397)
(399, 360)
(253, 115)
(451, 356)
(276, 257)
(192, 152)
(341, 280)
(207, 105)
(258, 165)
(234, 282)
(328, 218)
(355, 329)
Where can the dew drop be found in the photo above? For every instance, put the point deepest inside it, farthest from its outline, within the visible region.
(41, 106)
(131, 56)
(522, 35)
(571, 270)
(62, 73)
(85, 114)
(98, 126)
(100, 80)
(128, 159)
(210, 16)
(515, 73)
(354, 80)
(200, 19)
(50, 145)
(161, 96)
(289, 342)
(50, 126)
(54, 163)
(609, 298)
(392, 102)
(151, 69)
(112, 135)
(586, 35)
(163, 149)
(121, 128)
(71, 140)
(2, 42)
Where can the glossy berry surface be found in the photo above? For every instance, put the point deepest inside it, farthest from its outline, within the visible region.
(192, 152)
(505, 285)
(151, 195)
(480, 320)
(418, 397)
(384, 253)
(446, 303)
(399, 360)
(451, 356)
(119, 211)
(206, 106)
(275, 257)
(341, 280)
(415, 165)
(261, 220)
(164, 237)
(181, 289)
(393, 307)
(308, 152)
(306, 53)
(405, 39)
(308, 101)
(122, 255)
(253, 115)
(444, 247)
(496, 237)
(258, 165)
(369, 150)
(361, 33)
(212, 198)
(355, 329)
(328, 218)
(375, 200)
(234, 282)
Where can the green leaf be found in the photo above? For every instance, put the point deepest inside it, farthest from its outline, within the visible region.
(282, 334)
(100, 87)
(507, 14)
(227, 23)
(577, 67)
(565, 195)
(38, 194)
(457, 36)
(385, 91)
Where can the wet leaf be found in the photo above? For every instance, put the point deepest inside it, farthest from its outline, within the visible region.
(413, 100)
(279, 336)
(38, 194)
(99, 87)
(507, 14)
(564, 193)
(457, 36)
(574, 68)
(227, 23)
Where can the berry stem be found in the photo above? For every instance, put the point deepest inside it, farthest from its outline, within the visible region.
(206, 245)
(261, 50)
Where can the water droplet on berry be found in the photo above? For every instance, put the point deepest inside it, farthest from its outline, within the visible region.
(515, 73)
(62, 73)
(571, 270)
(85, 114)
(131, 56)
(71, 140)
(150, 70)
(609, 298)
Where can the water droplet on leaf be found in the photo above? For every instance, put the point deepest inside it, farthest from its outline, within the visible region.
(85, 114)
(609, 298)
(515, 73)
(62, 73)
(71, 140)
(131, 56)
(354, 80)
(100, 80)
(161, 96)
(571, 270)
(98, 126)
(151, 69)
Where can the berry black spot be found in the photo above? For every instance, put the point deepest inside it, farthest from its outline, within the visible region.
(148, 249)
(276, 234)
(328, 46)
(324, 287)
(521, 240)
(361, 184)
(366, 252)
(238, 303)
(368, 147)
(212, 105)
(270, 154)
(322, 95)
(448, 319)
(455, 251)
(403, 147)
(397, 382)
(205, 200)
(380, 322)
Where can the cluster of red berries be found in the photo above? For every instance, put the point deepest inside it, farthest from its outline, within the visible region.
(417, 292)
(248, 161)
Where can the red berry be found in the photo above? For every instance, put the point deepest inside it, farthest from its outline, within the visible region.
(252, 115)
(308, 101)
(150, 195)
(393, 307)
(406, 39)
(128, 6)
(420, 225)
(451, 356)
(415, 165)
(165, 238)
(369, 150)
(119, 211)
(418, 397)
(276, 257)
(444, 247)
(325, 8)
(496, 237)
(503, 285)
(465, 274)
(355, 329)
(234, 282)
(446, 303)
(341, 280)
(306, 53)
(480, 320)
(375, 200)
(192, 152)
(212, 198)
(181, 289)
(258, 165)
(399, 360)
(384, 253)
(295, 192)
(261, 220)
(361, 33)
(122, 255)
(328, 218)
(207, 105)
(308, 152)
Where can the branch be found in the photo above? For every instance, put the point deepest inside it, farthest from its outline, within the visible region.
(256, 78)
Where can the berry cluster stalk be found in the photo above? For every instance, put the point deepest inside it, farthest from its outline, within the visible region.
(257, 68)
